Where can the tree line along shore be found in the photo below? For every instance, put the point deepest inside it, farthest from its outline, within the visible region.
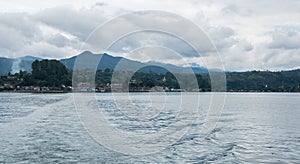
(51, 76)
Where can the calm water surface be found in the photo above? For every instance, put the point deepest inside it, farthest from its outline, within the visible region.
(253, 128)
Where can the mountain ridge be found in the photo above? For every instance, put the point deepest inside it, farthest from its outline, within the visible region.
(14, 65)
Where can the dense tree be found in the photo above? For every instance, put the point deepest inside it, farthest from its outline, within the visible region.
(50, 73)
(141, 79)
(265, 81)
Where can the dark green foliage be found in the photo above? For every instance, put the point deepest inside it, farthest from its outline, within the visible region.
(255, 81)
(50, 73)
(264, 81)
(53, 74)
(141, 79)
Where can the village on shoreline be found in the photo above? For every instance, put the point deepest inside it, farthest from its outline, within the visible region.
(51, 76)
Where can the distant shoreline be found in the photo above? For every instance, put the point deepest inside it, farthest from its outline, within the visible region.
(49, 92)
(35, 92)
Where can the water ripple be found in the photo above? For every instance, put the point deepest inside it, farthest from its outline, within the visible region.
(45, 129)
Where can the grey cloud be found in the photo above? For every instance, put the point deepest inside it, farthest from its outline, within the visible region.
(168, 23)
(144, 39)
(79, 23)
(17, 30)
(10, 39)
(223, 37)
(152, 53)
(230, 9)
(60, 40)
(285, 39)
(21, 23)
(236, 10)
(246, 46)
(229, 28)
(288, 59)
(46, 50)
(260, 8)
(22, 34)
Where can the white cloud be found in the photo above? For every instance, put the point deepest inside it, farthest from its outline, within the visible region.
(249, 35)
(285, 39)
(79, 23)
(146, 39)
(17, 30)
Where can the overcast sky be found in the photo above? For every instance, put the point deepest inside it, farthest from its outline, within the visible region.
(262, 34)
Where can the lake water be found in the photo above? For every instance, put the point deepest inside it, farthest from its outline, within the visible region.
(253, 128)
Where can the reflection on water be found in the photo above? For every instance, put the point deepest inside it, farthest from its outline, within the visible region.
(254, 128)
